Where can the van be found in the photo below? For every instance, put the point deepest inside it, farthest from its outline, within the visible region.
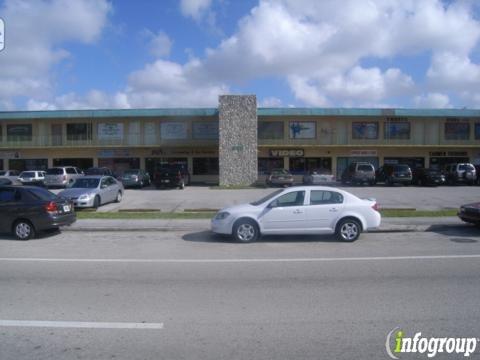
(359, 173)
(62, 176)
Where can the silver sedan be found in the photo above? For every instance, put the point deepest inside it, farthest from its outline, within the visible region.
(93, 191)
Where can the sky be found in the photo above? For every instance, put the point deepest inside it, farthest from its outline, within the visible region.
(101, 54)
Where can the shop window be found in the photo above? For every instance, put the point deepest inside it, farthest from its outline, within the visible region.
(477, 131)
(1, 133)
(79, 132)
(119, 165)
(397, 130)
(205, 166)
(270, 130)
(364, 130)
(457, 130)
(28, 164)
(21, 132)
(413, 162)
(300, 166)
(302, 129)
(266, 165)
(81, 163)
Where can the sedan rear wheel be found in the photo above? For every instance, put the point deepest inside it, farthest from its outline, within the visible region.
(23, 230)
(348, 230)
(245, 230)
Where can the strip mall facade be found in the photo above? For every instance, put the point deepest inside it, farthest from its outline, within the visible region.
(237, 142)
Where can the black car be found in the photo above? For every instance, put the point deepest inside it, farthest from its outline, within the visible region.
(394, 173)
(470, 213)
(427, 177)
(26, 210)
(171, 176)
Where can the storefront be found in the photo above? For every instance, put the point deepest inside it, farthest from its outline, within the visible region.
(27, 164)
(119, 165)
(440, 159)
(413, 162)
(81, 163)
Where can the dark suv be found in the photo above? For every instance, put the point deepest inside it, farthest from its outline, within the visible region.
(359, 173)
(426, 177)
(391, 174)
(461, 173)
(171, 175)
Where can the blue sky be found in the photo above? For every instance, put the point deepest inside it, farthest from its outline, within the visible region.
(66, 54)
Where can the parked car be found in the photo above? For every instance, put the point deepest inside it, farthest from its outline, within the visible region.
(299, 210)
(279, 177)
(426, 177)
(477, 171)
(5, 181)
(32, 178)
(396, 173)
(11, 175)
(470, 213)
(171, 175)
(460, 173)
(93, 191)
(318, 177)
(135, 178)
(99, 171)
(62, 176)
(359, 173)
(26, 210)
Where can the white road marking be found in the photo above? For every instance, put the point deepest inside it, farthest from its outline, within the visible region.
(245, 260)
(81, 324)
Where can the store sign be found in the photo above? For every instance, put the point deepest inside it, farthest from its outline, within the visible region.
(448, 153)
(173, 130)
(287, 152)
(205, 130)
(113, 153)
(9, 154)
(110, 131)
(363, 152)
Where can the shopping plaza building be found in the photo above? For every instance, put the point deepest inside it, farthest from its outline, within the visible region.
(238, 142)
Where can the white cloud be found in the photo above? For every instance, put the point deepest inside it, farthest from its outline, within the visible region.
(433, 100)
(271, 101)
(195, 8)
(34, 32)
(453, 72)
(160, 44)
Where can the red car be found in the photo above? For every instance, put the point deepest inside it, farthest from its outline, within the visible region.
(470, 213)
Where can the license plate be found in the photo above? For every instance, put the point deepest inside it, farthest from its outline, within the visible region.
(166, 181)
(66, 208)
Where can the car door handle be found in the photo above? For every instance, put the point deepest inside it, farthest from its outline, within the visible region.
(297, 211)
(333, 210)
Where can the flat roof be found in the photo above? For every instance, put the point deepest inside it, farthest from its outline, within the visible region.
(197, 112)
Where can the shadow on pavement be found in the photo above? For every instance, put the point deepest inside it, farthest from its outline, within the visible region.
(461, 233)
(209, 237)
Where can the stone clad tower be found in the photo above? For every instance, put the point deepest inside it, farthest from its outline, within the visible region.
(238, 140)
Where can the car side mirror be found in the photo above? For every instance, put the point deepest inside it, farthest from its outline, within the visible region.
(273, 204)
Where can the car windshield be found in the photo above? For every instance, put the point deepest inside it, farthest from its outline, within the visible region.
(266, 198)
(42, 194)
(130, 172)
(401, 168)
(55, 171)
(279, 172)
(83, 183)
(27, 174)
(467, 167)
(365, 168)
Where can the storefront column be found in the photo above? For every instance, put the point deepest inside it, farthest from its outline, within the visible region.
(95, 162)
(286, 163)
(334, 164)
(143, 164)
(190, 164)
(50, 162)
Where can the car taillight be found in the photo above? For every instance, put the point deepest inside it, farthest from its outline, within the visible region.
(51, 207)
(375, 207)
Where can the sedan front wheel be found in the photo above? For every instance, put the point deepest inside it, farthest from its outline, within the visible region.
(245, 230)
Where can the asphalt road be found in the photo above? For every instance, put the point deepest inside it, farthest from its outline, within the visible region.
(205, 297)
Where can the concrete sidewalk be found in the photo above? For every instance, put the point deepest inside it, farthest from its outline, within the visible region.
(388, 224)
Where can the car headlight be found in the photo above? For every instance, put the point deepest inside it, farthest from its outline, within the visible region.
(222, 215)
(85, 196)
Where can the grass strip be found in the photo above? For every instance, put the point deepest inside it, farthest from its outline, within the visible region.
(209, 214)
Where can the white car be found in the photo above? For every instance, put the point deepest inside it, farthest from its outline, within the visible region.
(32, 177)
(300, 210)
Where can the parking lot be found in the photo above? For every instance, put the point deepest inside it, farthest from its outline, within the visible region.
(205, 197)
